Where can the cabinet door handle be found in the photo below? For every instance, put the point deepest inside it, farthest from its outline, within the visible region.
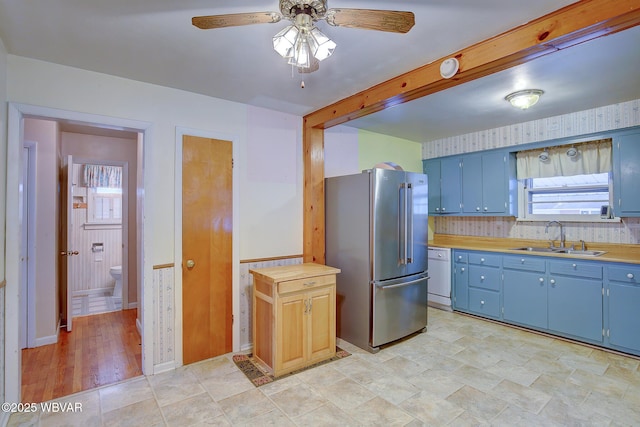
(481, 277)
(481, 259)
(306, 306)
(630, 276)
(541, 279)
(309, 283)
(462, 269)
(522, 260)
(486, 208)
(552, 281)
(481, 302)
(574, 265)
(478, 208)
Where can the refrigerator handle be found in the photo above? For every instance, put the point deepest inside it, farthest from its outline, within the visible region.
(401, 224)
(403, 231)
(409, 213)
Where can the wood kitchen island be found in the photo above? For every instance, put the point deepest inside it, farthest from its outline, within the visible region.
(294, 316)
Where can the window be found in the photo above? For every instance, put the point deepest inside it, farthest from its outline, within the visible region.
(104, 206)
(577, 195)
(568, 182)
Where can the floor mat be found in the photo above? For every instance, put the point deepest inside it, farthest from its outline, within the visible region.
(258, 376)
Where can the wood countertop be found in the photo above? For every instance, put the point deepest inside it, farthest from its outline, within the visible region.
(293, 272)
(614, 252)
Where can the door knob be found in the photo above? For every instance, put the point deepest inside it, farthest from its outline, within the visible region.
(191, 263)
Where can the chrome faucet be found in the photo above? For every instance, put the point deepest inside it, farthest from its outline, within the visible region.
(546, 230)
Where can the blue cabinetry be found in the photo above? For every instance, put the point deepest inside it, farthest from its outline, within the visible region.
(485, 283)
(460, 280)
(488, 184)
(623, 304)
(524, 290)
(626, 175)
(444, 185)
(575, 299)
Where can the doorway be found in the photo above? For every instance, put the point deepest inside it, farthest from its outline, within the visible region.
(15, 165)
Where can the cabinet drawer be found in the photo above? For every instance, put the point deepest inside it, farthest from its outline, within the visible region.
(305, 284)
(485, 259)
(461, 257)
(484, 302)
(576, 268)
(484, 277)
(626, 274)
(524, 263)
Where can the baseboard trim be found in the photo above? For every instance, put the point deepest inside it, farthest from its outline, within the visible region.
(132, 305)
(246, 347)
(51, 339)
(164, 367)
(139, 326)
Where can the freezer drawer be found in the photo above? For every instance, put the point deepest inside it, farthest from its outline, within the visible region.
(399, 308)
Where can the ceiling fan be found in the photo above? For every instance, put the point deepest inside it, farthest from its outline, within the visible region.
(302, 43)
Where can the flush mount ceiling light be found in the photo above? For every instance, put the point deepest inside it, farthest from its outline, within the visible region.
(524, 99)
(301, 43)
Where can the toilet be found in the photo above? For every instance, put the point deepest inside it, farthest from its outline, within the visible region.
(116, 273)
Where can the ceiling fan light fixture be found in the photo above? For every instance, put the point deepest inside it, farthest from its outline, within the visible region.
(285, 40)
(524, 99)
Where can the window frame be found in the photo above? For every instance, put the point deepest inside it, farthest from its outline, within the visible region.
(523, 207)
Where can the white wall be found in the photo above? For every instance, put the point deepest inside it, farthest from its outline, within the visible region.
(262, 218)
(45, 134)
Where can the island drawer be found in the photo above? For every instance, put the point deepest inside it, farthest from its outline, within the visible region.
(304, 284)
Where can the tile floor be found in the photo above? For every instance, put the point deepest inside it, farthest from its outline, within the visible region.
(462, 372)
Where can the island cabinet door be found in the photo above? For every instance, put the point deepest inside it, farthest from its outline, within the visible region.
(321, 323)
(291, 327)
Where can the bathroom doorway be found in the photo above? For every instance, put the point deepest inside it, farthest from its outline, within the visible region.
(100, 218)
(95, 237)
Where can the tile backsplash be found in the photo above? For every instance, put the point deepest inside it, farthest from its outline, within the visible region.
(611, 117)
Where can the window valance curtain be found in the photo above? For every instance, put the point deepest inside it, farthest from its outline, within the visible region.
(590, 157)
(103, 176)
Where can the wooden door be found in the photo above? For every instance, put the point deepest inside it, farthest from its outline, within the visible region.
(207, 315)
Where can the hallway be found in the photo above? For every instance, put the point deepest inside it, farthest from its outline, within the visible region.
(102, 349)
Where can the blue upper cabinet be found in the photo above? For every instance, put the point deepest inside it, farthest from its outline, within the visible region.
(626, 175)
(444, 185)
(489, 184)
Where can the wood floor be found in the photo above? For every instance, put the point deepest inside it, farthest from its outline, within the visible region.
(101, 349)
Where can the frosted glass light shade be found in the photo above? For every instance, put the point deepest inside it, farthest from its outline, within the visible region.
(524, 99)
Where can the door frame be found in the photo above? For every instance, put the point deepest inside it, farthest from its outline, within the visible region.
(16, 113)
(28, 284)
(235, 239)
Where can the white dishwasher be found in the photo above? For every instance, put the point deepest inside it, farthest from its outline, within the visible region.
(439, 293)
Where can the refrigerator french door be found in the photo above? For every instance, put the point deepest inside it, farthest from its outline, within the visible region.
(376, 233)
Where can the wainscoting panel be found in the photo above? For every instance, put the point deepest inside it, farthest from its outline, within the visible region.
(90, 270)
(163, 317)
(246, 289)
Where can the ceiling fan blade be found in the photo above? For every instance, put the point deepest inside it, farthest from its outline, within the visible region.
(235, 19)
(380, 20)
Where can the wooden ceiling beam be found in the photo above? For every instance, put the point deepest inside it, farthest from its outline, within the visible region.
(574, 24)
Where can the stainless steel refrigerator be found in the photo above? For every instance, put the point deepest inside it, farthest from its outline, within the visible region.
(377, 233)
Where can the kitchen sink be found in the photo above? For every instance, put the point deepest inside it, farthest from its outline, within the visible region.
(584, 253)
(539, 249)
(567, 251)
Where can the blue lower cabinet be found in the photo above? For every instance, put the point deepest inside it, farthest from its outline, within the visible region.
(524, 296)
(624, 308)
(575, 307)
(460, 281)
(484, 302)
